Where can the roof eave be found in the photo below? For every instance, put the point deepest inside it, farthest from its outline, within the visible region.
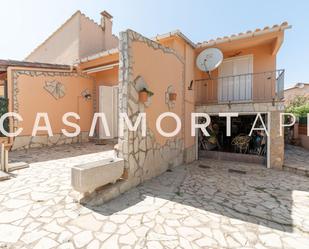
(97, 55)
(241, 36)
(4, 64)
(175, 33)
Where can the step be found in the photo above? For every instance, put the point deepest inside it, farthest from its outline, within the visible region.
(4, 176)
(17, 166)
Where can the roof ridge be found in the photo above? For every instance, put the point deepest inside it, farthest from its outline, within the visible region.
(50, 36)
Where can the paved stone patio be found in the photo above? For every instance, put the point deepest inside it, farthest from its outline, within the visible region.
(296, 160)
(188, 207)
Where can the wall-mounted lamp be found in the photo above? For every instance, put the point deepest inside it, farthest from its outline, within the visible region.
(86, 94)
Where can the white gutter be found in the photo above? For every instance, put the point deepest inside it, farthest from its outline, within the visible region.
(101, 68)
(173, 33)
(98, 55)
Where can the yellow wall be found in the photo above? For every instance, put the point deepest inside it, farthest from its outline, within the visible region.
(159, 70)
(188, 54)
(104, 60)
(263, 61)
(105, 78)
(33, 98)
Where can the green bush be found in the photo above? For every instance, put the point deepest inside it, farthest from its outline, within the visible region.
(299, 106)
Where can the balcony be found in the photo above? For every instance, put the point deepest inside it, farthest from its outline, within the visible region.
(242, 88)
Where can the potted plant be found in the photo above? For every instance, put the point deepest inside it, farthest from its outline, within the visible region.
(172, 96)
(144, 94)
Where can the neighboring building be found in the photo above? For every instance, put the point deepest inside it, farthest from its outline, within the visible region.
(300, 135)
(77, 38)
(300, 89)
(110, 79)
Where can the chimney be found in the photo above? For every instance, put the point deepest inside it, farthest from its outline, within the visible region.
(106, 21)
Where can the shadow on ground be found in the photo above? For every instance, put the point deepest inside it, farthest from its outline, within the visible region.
(272, 198)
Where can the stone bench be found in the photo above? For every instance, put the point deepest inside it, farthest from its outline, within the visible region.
(87, 177)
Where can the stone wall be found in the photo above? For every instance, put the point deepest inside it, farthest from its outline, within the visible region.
(144, 157)
(276, 149)
(137, 151)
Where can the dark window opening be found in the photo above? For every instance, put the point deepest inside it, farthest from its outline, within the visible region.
(239, 141)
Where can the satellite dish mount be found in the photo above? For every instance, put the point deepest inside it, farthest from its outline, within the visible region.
(209, 59)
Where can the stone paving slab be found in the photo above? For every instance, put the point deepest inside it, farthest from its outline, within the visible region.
(189, 207)
(296, 160)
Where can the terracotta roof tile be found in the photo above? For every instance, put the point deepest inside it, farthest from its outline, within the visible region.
(248, 33)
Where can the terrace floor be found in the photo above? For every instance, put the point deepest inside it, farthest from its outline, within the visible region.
(199, 205)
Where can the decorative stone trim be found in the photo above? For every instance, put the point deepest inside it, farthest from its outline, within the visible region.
(55, 89)
(143, 157)
(170, 104)
(36, 73)
(26, 142)
(129, 90)
(134, 36)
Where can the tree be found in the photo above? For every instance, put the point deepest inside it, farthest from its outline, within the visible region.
(299, 106)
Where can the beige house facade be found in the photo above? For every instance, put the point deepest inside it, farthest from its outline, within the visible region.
(300, 129)
(84, 68)
(77, 38)
(299, 89)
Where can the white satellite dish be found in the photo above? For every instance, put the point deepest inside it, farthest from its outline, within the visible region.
(209, 59)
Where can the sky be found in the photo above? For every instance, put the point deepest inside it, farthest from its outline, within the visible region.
(24, 24)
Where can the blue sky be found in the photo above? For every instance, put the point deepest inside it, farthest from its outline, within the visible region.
(25, 24)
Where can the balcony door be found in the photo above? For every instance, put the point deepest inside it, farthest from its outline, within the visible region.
(235, 79)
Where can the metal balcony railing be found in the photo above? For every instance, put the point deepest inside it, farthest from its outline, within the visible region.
(252, 87)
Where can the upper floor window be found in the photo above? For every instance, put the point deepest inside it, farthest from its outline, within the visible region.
(235, 79)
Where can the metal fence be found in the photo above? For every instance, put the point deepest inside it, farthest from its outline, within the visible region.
(264, 86)
(303, 120)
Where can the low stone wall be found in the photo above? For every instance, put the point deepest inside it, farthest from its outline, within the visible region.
(26, 142)
(146, 160)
